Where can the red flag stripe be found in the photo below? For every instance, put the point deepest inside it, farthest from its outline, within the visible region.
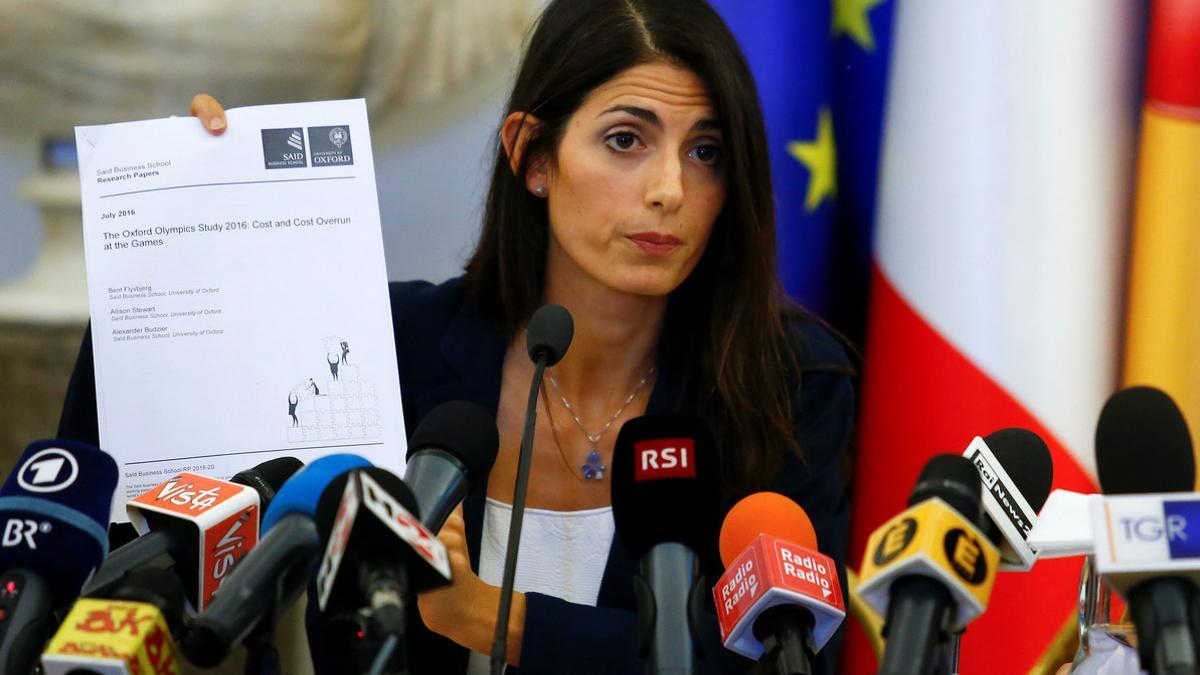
(922, 397)
(1173, 58)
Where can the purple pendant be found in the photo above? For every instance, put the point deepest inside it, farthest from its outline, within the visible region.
(594, 470)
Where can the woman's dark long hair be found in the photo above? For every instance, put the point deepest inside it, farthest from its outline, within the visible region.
(737, 374)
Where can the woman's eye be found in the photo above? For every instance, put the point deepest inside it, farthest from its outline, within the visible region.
(707, 154)
(622, 141)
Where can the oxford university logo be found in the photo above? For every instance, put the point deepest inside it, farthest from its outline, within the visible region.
(331, 146)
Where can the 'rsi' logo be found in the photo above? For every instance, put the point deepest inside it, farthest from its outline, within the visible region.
(19, 532)
(664, 458)
(48, 470)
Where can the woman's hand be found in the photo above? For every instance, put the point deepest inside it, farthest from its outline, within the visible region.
(465, 611)
(211, 113)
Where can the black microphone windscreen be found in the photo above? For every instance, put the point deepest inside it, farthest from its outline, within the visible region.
(1143, 444)
(1026, 459)
(268, 477)
(666, 485)
(549, 333)
(54, 513)
(465, 430)
(955, 480)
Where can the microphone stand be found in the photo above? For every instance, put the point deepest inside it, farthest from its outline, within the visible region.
(952, 650)
(262, 657)
(525, 460)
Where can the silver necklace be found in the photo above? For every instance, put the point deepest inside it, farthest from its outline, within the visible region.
(593, 469)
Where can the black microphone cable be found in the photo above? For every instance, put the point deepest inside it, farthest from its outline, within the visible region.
(549, 335)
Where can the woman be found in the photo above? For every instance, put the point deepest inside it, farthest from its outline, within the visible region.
(631, 185)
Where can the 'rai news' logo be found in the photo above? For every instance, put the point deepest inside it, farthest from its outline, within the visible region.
(664, 458)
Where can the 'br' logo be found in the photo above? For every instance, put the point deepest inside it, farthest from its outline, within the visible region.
(894, 541)
(966, 556)
(48, 470)
(664, 458)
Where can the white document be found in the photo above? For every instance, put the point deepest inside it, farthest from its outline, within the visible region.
(238, 293)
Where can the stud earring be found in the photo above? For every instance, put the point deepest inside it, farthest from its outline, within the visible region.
(540, 190)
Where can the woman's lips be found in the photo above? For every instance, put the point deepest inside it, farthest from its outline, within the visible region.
(654, 243)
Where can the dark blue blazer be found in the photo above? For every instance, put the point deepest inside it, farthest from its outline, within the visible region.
(447, 350)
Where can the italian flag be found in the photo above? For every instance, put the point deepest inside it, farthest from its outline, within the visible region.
(1162, 346)
(997, 284)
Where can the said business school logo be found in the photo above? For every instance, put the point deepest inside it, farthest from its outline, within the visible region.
(327, 146)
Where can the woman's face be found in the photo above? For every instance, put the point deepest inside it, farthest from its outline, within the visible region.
(637, 183)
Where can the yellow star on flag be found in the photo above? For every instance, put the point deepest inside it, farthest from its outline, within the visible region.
(820, 157)
(850, 17)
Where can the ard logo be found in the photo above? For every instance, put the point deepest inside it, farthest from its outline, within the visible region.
(894, 541)
(966, 556)
(48, 470)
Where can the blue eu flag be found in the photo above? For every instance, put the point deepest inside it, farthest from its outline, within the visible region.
(821, 69)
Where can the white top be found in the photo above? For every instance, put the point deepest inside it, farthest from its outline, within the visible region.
(563, 554)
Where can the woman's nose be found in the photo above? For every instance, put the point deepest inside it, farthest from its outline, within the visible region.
(665, 189)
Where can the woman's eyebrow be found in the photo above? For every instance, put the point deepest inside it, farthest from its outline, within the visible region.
(651, 117)
(648, 116)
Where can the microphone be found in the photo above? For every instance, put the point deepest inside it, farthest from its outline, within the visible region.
(549, 334)
(376, 554)
(275, 572)
(1016, 471)
(1146, 532)
(666, 501)
(54, 512)
(127, 632)
(202, 525)
(929, 570)
(451, 450)
(547, 338)
(779, 598)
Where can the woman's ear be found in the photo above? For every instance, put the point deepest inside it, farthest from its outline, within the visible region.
(519, 128)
